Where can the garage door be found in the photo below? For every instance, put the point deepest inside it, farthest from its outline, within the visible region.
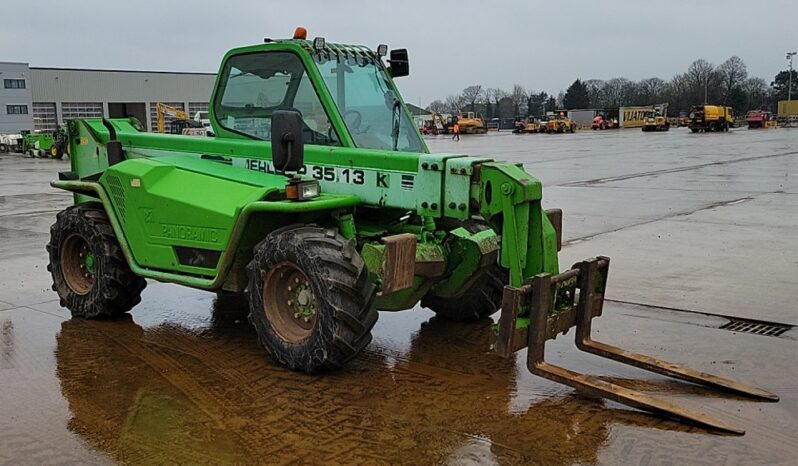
(44, 117)
(71, 110)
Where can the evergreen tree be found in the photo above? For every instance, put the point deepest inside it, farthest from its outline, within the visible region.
(551, 104)
(781, 83)
(577, 96)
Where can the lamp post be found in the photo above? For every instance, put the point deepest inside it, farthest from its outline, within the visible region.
(789, 86)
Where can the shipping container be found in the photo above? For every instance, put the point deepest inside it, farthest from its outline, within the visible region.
(582, 117)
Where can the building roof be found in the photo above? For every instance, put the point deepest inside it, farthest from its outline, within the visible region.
(416, 110)
(102, 70)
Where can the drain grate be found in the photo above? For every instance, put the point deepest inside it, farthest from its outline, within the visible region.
(758, 328)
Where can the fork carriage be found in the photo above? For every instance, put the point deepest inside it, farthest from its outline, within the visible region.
(556, 303)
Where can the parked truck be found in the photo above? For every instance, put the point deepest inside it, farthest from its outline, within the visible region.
(710, 118)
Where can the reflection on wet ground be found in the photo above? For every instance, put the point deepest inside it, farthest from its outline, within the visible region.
(207, 393)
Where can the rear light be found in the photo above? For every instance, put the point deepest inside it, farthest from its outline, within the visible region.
(302, 190)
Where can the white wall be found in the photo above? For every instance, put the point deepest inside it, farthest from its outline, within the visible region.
(15, 123)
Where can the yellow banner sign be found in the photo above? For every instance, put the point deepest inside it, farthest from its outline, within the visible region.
(633, 116)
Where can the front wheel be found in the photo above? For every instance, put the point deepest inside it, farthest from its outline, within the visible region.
(310, 298)
(90, 273)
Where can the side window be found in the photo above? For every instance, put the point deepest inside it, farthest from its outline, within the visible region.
(254, 85)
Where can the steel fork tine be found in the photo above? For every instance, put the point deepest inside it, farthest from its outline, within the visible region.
(541, 286)
(585, 312)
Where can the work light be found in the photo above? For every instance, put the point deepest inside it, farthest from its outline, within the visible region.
(319, 43)
(302, 190)
(382, 50)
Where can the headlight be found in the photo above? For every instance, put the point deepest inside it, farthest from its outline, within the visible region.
(302, 190)
(308, 190)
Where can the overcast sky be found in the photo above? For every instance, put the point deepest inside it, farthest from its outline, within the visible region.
(542, 45)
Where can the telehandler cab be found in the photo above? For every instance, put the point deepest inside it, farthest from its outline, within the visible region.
(319, 200)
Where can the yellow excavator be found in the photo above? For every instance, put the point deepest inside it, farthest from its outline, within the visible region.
(471, 123)
(179, 122)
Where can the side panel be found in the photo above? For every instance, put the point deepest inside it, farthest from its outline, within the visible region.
(175, 219)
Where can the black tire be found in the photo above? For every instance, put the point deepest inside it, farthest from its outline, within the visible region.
(341, 296)
(482, 298)
(106, 287)
(695, 130)
(3, 148)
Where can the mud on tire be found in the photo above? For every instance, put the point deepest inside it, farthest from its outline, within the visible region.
(327, 265)
(482, 298)
(101, 287)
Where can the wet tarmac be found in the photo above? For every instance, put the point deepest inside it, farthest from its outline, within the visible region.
(699, 228)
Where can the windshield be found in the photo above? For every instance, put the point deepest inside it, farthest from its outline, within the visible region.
(371, 110)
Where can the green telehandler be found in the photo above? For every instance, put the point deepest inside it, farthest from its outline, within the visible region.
(319, 201)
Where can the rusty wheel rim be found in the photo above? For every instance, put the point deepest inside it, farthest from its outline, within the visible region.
(77, 264)
(289, 302)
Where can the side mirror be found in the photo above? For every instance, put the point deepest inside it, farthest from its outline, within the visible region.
(400, 65)
(288, 150)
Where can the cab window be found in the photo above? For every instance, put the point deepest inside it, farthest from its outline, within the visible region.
(253, 86)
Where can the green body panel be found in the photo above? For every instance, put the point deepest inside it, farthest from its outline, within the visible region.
(157, 212)
(219, 194)
(467, 252)
(41, 141)
(250, 215)
(511, 202)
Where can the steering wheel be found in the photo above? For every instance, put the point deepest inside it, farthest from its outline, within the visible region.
(354, 124)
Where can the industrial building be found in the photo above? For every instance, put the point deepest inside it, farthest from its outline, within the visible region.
(35, 98)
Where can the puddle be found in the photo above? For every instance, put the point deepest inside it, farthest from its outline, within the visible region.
(163, 391)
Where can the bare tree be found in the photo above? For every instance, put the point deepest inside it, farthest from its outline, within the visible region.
(471, 95)
(437, 106)
(595, 89)
(560, 100)
(757, 93)
(518, 96)
(453, 104)
(733, 72)
(615, 92)
(650, 91)
(676, 93)
(701, 78)
(496, 94)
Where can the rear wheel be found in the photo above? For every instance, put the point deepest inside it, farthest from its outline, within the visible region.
(3, 148)
(310, 298)
(89, 271)
(482, 298)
